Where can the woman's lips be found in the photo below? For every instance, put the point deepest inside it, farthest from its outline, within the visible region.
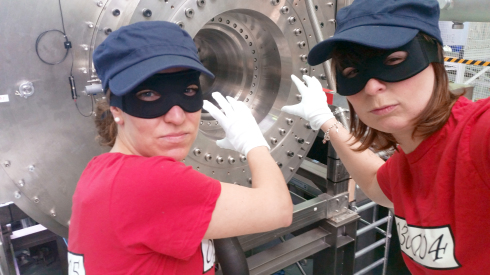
(175, 138)
(384, 110)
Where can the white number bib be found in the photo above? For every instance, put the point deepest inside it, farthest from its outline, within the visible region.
(75, 264)
(432, 247)
(208, 256)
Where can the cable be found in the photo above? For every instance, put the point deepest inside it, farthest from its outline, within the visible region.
(67, 44)
(91, 112)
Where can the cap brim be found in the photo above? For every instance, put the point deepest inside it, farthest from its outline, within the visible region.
(380, 37)
(128, 79)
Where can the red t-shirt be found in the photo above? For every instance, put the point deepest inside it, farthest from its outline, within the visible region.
(138, 215)
(441, 194)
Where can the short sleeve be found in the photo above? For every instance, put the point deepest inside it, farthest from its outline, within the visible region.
(158, 204)
(383, 178)
(480, 145)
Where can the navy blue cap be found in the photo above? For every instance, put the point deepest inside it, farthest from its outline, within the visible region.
(382, 24)
(135, 52)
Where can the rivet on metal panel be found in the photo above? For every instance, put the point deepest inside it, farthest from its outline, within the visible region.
(279, 164)
(300, 156)
(219, 160)
(275, 2)
(282, 132)
(231, 160)
(35, 199)
(17, 195)
(291, 169)
(21, 183)
(290, 154)
(304, 70)
(289, 121)
(330, 4)
(32, 168)
(308, 126)
(292, 20)
(299, 97)
(147, 12)
(90, 25)
(300, 140)
(285, 10)
(26, 89)
(323, 77)
(189, 13)
(116, 12)
(53, 213)
(100, 4)
(333, 21)
(6, 163)
(181, 24)
(208, 157)
(107, 31)
(249, 180)
(273, 140)
(303, 57)
(243, 158)
(85, 47)
(197, 152)
(315, 209)
(201, 3)
(297, 32)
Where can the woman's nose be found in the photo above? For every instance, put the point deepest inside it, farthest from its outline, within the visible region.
(374, 86)
(175, 115)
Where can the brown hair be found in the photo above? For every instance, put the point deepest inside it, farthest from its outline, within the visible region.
(430, 120)
(104, 121)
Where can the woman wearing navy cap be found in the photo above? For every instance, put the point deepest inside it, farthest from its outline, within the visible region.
(388, 62)
(138, 209)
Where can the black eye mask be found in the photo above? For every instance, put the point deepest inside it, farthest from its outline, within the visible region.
(420, 54)
(171, 87)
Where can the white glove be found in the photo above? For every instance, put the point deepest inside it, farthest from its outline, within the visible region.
(313, 106)
(242, 132)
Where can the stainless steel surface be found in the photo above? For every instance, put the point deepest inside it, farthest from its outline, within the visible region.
(311, 8)
(251, 46)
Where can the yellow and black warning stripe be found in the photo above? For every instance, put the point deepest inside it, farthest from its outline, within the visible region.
(467, 61)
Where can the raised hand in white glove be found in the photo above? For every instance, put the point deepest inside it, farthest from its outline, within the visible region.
(313, 106)
(242, 132)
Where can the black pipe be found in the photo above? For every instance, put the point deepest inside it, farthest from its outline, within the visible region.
(231, 257)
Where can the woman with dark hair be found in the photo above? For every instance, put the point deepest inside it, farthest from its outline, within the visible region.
(388, 62)
(138, 209)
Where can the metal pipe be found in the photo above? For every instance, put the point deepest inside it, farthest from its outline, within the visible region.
(369, 248)
(464, 10)
(371, 226)
(377, 228)
(371, 266)
(388, 238)
(310, 7)
(364, 207)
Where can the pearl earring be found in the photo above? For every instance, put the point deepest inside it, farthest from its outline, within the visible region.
(117, 119)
